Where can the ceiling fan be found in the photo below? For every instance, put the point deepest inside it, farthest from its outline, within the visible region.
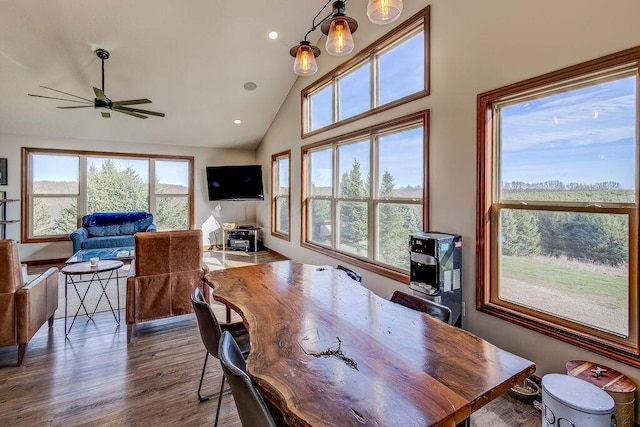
(101, 102)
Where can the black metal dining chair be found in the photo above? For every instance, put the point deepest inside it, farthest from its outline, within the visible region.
(252, 408)
(211, 332)
(432, 308)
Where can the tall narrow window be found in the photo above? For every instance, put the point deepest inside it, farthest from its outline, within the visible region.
(55, 188)
(365, 192)
(559, 189)
(172, 194)
(280, 190)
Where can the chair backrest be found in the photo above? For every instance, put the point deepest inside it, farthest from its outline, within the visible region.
(10, 272)
(439, 311)
(167, 267)
(168, 252)
(208, 325)
(252, 409)
(352, 274)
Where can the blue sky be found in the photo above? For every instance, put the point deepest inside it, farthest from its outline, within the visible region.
(585, 135)
(400, 153)
(395, 82)
(65, 168)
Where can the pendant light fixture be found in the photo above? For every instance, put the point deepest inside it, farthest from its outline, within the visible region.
(305, 62)
(384, 11)
(339, 29)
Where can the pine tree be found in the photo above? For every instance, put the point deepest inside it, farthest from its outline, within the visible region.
(41, 219)
(353, 215)
(110, 189)
(394, 224)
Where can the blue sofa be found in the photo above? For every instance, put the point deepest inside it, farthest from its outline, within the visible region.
(110, 229)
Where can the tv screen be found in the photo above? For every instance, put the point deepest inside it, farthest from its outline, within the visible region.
(235, 182)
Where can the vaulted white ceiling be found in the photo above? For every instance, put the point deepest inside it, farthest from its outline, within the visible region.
(190, 58)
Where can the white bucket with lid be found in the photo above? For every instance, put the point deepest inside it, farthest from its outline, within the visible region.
(571, 402)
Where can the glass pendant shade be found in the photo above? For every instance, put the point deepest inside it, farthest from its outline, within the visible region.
(384, 11)
(339, 39)
(305, 62)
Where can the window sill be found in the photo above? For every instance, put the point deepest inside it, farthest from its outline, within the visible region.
(387, 272)
(614, 351)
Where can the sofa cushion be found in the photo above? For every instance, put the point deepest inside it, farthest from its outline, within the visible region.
(114, 218)
(105, 230)
(142, 224)
(127, 228)
(108, 242)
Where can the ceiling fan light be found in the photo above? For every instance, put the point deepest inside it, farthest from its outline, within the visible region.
(305, 62)
(339, 38)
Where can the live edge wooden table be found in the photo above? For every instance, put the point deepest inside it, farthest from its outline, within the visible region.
(327, 351)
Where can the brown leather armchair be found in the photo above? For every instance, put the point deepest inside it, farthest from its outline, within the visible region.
(167, 267)
(24, 307)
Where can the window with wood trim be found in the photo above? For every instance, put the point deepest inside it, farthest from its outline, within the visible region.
(280, 190)
(558, 205)
(364, 192)
(60, 186)
(391, 71)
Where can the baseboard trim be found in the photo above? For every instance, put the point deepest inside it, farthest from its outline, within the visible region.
(45, 261)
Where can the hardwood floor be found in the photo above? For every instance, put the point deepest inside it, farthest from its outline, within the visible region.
(95, 378)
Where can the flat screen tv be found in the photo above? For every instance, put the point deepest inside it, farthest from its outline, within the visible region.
(235, 182)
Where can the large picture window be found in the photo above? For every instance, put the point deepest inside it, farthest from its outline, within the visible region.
(280, 190)
(391, 71)
(558, 208)
(60, 186)
(365, 192)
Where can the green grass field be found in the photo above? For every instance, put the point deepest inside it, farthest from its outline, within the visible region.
(567, 279)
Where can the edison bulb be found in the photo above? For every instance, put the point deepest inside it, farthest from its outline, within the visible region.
(339, 39)
(384, 11)
(305, 62)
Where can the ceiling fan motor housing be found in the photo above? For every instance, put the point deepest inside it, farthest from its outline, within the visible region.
(102, 105)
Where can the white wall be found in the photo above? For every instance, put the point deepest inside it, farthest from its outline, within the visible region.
(10, 145)
(476, 46)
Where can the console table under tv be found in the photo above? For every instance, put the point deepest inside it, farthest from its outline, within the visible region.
(241, 238)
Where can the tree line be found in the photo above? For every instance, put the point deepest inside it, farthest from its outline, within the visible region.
(110, 189)
(589, 237)
(395, 221)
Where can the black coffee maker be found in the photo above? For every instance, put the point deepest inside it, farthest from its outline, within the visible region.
(436, 269)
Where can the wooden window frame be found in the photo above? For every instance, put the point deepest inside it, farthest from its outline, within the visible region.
(26, 191)
(275, 185)
(420, 118)
(369, 54)
(488, 208)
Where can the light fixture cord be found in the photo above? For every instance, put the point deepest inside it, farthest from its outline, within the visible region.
(313, 22)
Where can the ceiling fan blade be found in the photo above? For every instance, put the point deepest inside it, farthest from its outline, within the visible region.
(61, 99)
(70, 94)
(131, 102)
(99, 94)
(106, 115)
(140, 116)
(137, 110)
(76, 106)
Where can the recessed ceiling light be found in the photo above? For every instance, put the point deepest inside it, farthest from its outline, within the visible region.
(237, 121)
(273, 35)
